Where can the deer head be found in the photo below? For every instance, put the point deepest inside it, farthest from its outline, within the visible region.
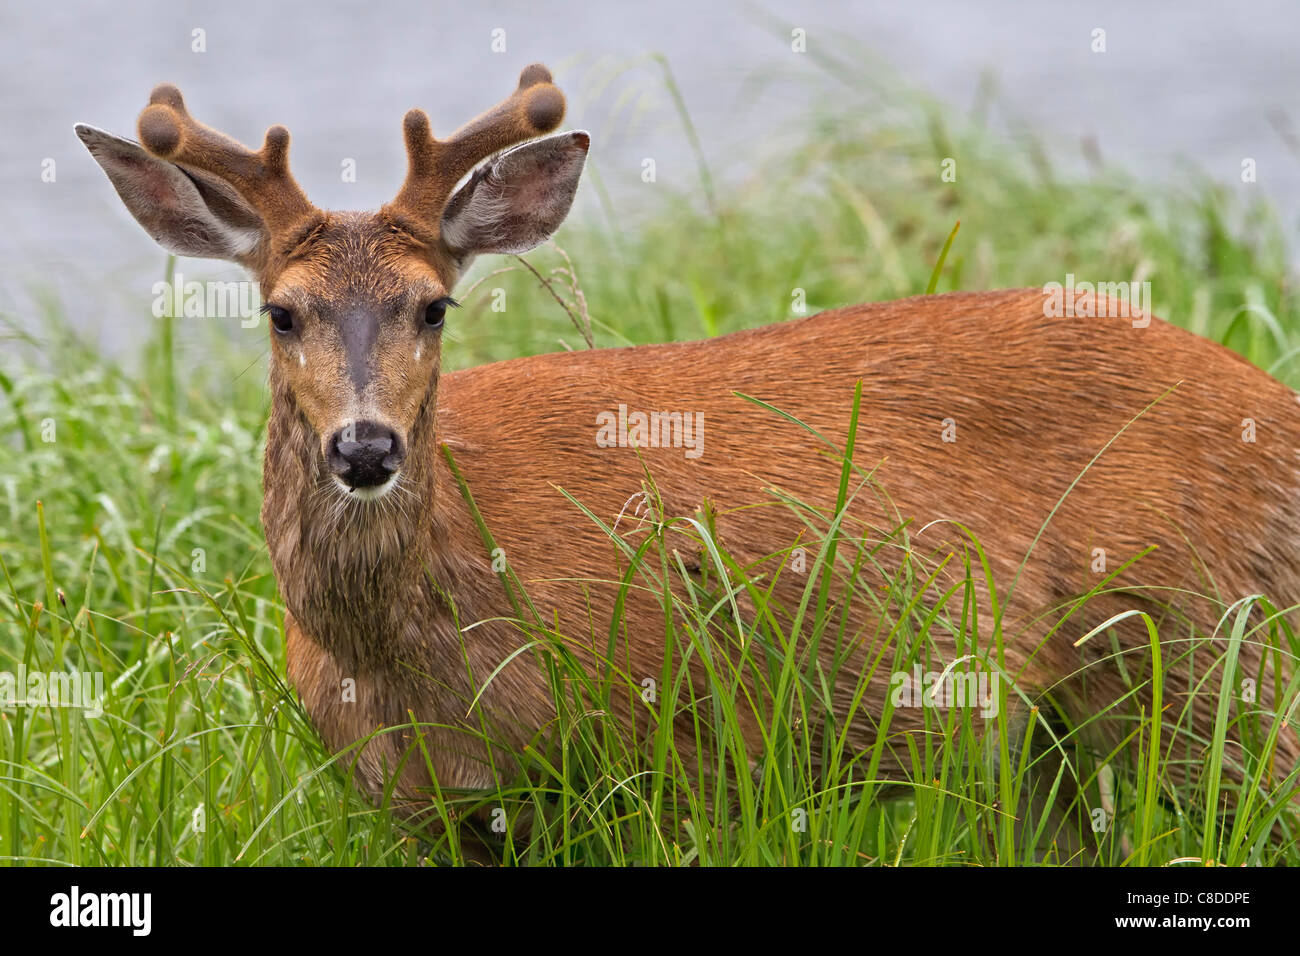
(356, 301)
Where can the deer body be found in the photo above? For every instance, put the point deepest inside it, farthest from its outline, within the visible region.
(521, 430)
(980, 417)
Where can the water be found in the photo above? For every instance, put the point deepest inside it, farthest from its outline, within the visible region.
(1198, 83)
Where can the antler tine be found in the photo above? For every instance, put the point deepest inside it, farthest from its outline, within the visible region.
(435, 166)
(262, 178)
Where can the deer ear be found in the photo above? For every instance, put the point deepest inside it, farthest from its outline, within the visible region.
(518, 200)
(187, 212)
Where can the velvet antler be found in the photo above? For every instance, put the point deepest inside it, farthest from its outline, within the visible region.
(261, 178)
(435, 166)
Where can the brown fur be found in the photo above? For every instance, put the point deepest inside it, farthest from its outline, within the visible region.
(1034, 399)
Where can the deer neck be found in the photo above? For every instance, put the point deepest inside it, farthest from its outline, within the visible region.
(356, 575)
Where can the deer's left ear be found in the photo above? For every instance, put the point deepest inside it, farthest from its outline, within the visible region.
(518, 200)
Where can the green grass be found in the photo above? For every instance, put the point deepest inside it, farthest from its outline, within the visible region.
(130, 544)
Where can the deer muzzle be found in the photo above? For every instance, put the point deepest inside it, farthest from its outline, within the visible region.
(365, 454)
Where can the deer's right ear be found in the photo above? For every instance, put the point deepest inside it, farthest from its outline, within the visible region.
(189, 213)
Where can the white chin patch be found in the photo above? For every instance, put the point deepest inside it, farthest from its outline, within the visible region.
(372, 493)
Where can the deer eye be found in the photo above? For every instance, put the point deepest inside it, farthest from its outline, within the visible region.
(436, 312)
(281, 319)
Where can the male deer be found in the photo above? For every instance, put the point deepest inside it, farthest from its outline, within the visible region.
(381, 560)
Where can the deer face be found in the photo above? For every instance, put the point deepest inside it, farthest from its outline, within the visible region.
(356, 320)
(356, 302)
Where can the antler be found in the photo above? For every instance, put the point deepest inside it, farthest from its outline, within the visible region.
(435, 166)
(261, 178)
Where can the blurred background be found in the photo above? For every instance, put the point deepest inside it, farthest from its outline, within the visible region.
(1181, 91)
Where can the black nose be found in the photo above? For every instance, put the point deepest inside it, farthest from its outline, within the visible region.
(365, 454)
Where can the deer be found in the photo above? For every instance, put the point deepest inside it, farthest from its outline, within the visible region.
(983, 416)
